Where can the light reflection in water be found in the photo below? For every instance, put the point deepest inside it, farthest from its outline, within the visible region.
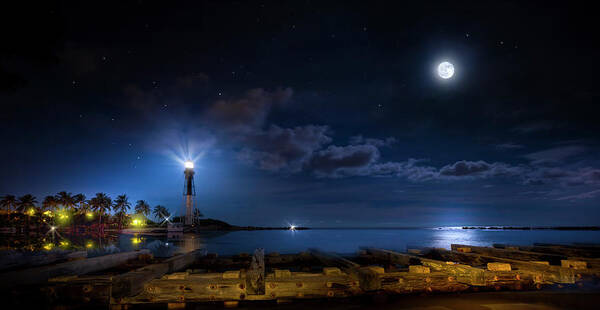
(286, 241)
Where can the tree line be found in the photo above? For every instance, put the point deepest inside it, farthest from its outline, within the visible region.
(79, 206)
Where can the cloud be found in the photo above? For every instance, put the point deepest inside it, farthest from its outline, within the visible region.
(248, 112)
(407, 169)
(509, 146)
(478, 169)
(285, 149)
(339, 161)
(533, 127)
(586, 195)
(371, 141)
(554, 155)
(562, 176)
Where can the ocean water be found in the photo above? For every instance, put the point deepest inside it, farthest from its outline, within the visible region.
(348, 241)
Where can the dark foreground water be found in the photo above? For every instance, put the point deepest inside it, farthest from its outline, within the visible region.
(285, 241)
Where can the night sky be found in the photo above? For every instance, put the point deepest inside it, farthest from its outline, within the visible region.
(308, 112)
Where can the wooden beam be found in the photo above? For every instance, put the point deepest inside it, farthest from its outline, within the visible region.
(462, 273)
(512, 254)
(332, 259)
(18, 260)
(132, 283)
(77, 267)
(544, 273)
(553, 259)
(368, 277)
(255, 278)
(559, 250)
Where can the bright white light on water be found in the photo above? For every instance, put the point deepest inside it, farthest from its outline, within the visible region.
(189, 165)
(292, 227)
(445, 70)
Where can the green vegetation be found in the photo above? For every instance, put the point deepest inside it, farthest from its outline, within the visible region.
(66, 210)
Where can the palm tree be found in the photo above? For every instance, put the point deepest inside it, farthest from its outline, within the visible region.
(100, 204)
(160, 212)
(121, 207)
(49, 203)
(79, 199)
(9, 202)
(142, 207)
(26, 204)
(66, 200)
(82, 208)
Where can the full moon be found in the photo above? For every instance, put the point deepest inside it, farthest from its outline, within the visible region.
(445, 70)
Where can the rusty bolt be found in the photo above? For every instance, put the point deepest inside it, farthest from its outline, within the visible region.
(87, 288)
(242, 286)
(330, 294)
(299, 284)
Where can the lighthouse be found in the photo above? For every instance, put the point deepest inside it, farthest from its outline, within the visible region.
(189, 191)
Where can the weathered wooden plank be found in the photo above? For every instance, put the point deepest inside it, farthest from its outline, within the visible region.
(307, 285)
(255, 278)
(19, 260)
(216, 287)
(194, 288)
(532, 256)
(367, 277)
(462, 273)
(543, 273)
(407, 282)
(78, 290)
(132, 283)
(556, 250)
(77, 267)
(512, 254)
(332, 259)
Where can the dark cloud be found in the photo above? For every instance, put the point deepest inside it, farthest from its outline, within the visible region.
(338, 161)
(586, 195)
(283, 149)
(563, 176)
(478, 169)
(509, 146)
(354, 140)
(554, 155)
(248, 112)
(534, 127)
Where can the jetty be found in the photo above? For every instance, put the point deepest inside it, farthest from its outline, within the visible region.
(123, 280)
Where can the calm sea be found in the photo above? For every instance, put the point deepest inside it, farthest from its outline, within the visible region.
(350, 240)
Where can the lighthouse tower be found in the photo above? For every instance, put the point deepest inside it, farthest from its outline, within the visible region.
(189, 191)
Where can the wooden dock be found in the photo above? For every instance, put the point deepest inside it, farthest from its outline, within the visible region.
(125, 279)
